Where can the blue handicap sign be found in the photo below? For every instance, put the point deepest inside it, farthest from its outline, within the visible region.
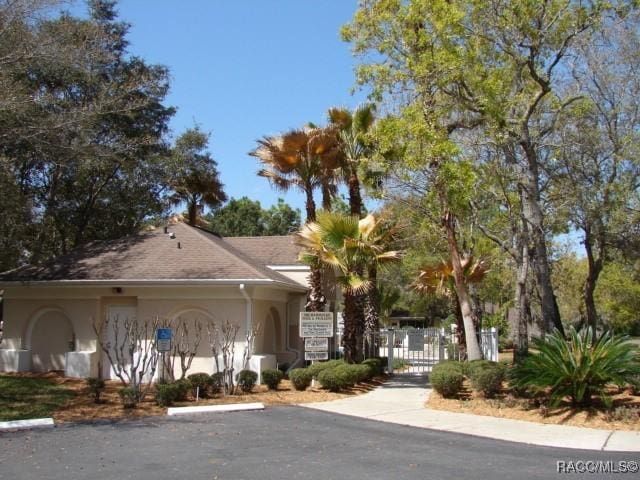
(163, 334)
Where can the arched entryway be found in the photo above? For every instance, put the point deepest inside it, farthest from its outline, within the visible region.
(191, 329)
(49, 337)
(269, 340)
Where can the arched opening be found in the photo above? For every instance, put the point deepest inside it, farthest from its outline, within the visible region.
(191, 331)
(269, 340)
(50, 336)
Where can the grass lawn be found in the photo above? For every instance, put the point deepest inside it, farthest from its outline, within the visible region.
(22, 398)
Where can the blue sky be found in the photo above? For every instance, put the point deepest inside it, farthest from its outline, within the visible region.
(244, 69)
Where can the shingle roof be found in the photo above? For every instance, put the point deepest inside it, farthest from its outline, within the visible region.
(275, 250)
(153, 255)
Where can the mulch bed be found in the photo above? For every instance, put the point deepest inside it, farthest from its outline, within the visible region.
(82, 407)
(624, 415)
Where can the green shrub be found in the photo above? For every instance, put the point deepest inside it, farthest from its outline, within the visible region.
(95, 386)
(399, 364)
(316, 368)
(247, 380)
(348, 373)
(167, 393)
(217, 382)
(447, 378)
(578, 368)
(469, 368)
(283, 367)
(332, 379)
(129, 396)
(487, 379)
(375, 364)
(200, 383)
(271, 378)
(300, 378)
(183, 387)
(362, 372)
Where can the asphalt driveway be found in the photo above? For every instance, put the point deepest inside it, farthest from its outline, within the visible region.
(277, 443)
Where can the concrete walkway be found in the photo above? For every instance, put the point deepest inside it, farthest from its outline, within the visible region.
(401, 400)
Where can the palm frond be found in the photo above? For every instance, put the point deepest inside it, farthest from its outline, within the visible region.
(340, 117)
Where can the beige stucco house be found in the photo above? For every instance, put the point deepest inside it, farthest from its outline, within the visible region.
(173, 272)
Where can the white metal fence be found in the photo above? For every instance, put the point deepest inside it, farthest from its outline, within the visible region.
(489, 344)
(418, 350)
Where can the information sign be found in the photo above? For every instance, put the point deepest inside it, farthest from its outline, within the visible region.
(316, 324)
(316, 344)
(163, 339)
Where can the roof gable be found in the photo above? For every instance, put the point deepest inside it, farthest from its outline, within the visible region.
(273, 250)
(194, 254)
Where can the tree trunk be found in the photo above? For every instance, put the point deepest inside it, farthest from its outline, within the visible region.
(353, 321)
(534, 217)
(193, 213)
(594, 269)
(520, 329)
(310, 204)
(372, 312)
(355, 199)
(315, 297)
(327, 197)
(471, 339)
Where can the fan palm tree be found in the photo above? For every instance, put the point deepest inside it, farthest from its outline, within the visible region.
(438, 278)
(302, 159)
(352, 128)
(197, 181)
(348, 245)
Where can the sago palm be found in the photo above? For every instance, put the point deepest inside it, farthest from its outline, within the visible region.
(349, 245)
(580, 367)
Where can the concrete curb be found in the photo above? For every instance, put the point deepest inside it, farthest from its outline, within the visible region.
(25, 424)
(234, 407)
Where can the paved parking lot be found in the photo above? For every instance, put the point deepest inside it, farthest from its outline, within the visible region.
(278, 443)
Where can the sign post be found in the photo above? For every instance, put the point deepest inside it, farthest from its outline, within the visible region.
(316, 328)
(163, 345)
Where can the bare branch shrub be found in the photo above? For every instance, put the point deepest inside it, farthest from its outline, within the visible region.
(132, 354)
(213, 335)
(183, 346)
(249, 341)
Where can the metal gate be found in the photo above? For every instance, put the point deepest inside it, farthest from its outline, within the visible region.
(408, 351)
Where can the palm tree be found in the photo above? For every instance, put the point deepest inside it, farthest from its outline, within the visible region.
(198, 188)
(353, 128)
(389, 296)
(439, 278)
(197, 181)
(302, 159)
(348, 245)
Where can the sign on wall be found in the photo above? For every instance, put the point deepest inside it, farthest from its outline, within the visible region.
(316, 344)
(316, 324)
(163, 339)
